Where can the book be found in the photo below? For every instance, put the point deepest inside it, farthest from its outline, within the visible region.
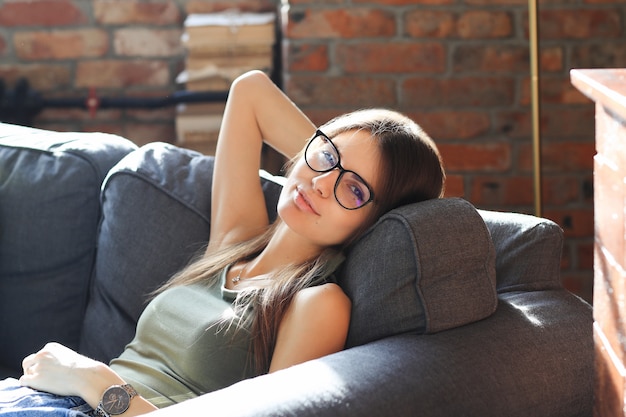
(198, 126)
(229, 27)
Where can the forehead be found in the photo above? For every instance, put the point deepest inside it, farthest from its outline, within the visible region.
(359, 153)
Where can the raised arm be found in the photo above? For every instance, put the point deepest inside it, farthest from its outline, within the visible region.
(256, 112)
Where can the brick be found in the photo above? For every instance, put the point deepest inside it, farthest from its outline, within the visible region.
(121, 74)
(568, 122)
(453, 124)
(65, 44)
(490, 157)
(494, 2)
(580, 283)
(340, 23)
(502, 191)
(318, 2)
(3, 45)
(579, 24)
(405, 2)
(306, 57)
(466, 91)
(368, 57)
(455, 186)
(576, 223)
(321, 115)
(556, 122)
(142, 133)
(475, 24)
(551, 59)
(18, 13)
(123, 12)
(353, 91)
(554, 90)
(606, 54)
(71, 115)
(144, 42)
(560, 190)
(42, 77)
(483, 24)
(430, 23)
(559, 157)
(519, 191)
(491, 58)
(212, 6)
(584, 252)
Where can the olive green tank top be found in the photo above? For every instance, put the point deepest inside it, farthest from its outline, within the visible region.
(183, 348)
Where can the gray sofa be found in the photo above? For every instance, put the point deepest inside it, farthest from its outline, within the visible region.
(456, 311)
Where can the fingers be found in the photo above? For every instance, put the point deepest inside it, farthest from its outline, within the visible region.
(28, 363)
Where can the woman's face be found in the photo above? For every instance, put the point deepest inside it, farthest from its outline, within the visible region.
(307, 203)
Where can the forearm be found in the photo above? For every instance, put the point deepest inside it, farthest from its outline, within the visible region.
(281, 124)
(98, 379)
(256, 112)
(61, 371)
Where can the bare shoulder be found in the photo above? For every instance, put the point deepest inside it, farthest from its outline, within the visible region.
(325, 298)
(316, 324)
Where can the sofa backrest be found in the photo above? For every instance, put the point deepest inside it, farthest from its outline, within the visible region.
(528, 251)
(156, 210)
(49, 213)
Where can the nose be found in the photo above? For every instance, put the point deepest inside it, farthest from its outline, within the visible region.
(324, 183)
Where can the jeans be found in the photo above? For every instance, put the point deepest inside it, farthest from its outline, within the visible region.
(19, 401)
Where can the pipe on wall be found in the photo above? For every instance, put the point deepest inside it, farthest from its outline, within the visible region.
(533, 33)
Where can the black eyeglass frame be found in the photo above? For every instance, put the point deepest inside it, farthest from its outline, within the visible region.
(341, 169)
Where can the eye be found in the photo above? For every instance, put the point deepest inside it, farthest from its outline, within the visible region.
(327, 158)
(352, 192)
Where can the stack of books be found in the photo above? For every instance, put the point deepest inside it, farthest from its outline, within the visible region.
(219, 47)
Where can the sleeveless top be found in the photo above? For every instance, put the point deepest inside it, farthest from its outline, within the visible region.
(184, 348)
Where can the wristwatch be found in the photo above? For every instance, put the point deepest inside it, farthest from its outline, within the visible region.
(115, 400)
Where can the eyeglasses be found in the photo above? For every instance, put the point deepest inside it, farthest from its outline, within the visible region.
(351, 191)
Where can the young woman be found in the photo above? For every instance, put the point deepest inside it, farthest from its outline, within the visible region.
(262, 298)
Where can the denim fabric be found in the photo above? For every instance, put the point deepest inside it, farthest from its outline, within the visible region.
(19, 401)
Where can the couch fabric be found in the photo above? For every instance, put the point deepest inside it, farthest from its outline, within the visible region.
(456, 311)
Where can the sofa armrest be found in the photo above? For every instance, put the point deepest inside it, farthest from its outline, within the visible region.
(49, 214)
(533, 357)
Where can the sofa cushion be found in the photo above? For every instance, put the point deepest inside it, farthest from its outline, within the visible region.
(49, 212)
(156, 208)
(156, 212)
(422, 268)
(520, 236)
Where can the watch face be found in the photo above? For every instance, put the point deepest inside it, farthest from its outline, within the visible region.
(115, 400)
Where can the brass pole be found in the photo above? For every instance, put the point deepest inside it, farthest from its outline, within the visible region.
(533, 31)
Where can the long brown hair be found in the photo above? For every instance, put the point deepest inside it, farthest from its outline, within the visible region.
(411, 170)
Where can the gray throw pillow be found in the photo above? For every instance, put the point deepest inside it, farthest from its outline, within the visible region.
(422, 268)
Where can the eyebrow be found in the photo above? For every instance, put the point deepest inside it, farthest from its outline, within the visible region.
(367, 183)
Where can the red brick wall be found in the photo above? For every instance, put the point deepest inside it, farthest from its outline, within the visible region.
(118, 47)
(459, 67)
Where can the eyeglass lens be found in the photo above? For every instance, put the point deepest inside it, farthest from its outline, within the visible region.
(351, 192)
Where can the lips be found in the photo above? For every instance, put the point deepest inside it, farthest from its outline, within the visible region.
(303, 201)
